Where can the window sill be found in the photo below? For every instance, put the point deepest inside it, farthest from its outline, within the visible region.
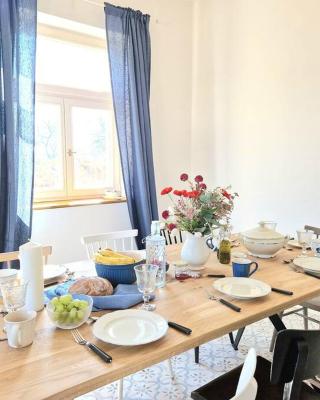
(45, 205)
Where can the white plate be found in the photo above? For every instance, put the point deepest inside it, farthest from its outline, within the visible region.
(311, 264)
(130, 327)
(53, 272)
(242, 288)
(296, 244)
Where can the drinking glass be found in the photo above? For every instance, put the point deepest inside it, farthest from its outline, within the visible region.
(14, 294)
(146, 280)
(304, 239)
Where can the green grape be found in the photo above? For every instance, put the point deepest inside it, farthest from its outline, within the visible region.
(80, 315)
(63, 317)
(76, 303)
(71, 305)
(66, 299)
(55, 301)
(73, 313)
(83, 305)
(59, 308)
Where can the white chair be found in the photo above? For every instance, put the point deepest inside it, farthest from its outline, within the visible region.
(242, 383)
(247, 386)
(120, 241)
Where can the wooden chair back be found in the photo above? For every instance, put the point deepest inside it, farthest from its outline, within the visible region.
(172, 237)
(119, 241)
(296, 357)
(14, 256)
(313, 229)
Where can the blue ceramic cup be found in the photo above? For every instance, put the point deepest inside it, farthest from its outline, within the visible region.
(241, 267)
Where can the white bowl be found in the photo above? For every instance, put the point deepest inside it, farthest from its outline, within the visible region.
(263, 248)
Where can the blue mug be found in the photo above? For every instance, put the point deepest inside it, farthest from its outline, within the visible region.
(241, 267)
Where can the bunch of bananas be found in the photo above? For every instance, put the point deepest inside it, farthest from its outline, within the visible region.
(110, 257)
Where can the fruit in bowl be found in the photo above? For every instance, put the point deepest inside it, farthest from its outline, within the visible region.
(69, 311)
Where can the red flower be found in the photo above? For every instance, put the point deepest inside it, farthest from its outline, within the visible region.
(198, 178)
(166, 190)
(184, 177)
(193, 194)
(203, 186)
(226, 194)
(184, 193)
(165, 214)
(171, 227)
(177, 192)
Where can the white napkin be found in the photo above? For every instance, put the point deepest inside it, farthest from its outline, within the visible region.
(31, 264)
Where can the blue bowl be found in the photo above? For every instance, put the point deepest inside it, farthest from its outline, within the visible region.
(118, 273)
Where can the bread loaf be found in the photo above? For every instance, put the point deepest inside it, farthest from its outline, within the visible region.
(94, 286)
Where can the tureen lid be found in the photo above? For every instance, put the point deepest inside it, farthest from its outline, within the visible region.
(262, 232)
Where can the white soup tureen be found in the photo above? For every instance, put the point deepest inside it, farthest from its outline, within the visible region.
(263, 242)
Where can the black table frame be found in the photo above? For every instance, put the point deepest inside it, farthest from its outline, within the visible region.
(276, 322)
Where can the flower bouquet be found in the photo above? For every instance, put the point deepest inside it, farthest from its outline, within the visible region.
(198, 211)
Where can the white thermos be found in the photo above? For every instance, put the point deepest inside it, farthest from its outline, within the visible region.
(31, 264)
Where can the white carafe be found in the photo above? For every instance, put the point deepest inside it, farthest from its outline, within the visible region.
(31, 264)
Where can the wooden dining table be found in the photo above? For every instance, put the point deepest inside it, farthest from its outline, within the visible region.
(55, 367)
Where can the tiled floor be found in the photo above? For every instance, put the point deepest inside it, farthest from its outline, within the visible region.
(216, 357)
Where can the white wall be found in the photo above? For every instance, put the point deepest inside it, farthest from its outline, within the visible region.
(256, 117)
(171, 85)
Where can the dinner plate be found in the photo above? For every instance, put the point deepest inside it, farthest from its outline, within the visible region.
(130, 327)
(242, 288)
(52, 273)
(296, 244)
(311, 264)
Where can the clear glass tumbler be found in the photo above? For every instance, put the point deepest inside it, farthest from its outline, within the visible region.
(304, 239)
(14, 294)
(146, 281)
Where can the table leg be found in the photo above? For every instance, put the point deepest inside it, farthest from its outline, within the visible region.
(196, 354)
(235, 342)
(277, 322)
(170, 369)
(120, 389)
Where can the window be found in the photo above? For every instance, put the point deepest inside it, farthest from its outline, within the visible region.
(76, 152)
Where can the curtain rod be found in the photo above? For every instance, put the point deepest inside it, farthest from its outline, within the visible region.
(94, 3)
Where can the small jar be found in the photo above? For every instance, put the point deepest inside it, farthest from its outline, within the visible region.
(181, 270)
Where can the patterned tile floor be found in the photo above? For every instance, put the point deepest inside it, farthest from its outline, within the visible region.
(216, 357)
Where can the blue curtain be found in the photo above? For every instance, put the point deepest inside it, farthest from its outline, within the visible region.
(17, 83)
(130, 58)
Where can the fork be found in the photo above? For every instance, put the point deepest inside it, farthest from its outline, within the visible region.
(222, 301)
(81, 340)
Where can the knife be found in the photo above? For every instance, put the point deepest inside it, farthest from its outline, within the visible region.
(226, 303)
(282, 291)
(180, 328)
(215, 276)
(311, 274)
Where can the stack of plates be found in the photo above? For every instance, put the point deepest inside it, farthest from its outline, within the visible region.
(310, 264)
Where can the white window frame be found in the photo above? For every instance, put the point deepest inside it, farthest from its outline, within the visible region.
(67, 97)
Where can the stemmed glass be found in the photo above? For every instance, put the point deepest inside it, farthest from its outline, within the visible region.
(146, 280)
(304, 239)
(14, 294)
